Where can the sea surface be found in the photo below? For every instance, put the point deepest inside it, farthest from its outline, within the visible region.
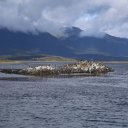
(70, 102)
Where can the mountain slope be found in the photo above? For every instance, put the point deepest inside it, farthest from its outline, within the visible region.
(107, 45)
(13, 43)
(105, 48)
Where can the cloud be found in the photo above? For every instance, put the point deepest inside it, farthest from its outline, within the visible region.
(95, 17)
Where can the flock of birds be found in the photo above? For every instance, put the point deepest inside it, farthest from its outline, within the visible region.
(78, 67)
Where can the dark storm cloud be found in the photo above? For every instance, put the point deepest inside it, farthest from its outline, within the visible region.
(93, 16)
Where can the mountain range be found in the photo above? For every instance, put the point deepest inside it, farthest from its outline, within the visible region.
(73, 45)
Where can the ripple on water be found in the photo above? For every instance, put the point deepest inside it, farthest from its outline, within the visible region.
(92, 102)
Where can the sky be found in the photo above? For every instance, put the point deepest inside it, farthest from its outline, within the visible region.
(95, 17)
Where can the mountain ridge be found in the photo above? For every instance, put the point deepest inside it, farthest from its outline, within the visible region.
(73, 45)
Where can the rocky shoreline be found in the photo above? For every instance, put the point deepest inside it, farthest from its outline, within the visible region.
(87, 68)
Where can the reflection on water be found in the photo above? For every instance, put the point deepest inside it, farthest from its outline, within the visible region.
(77, 102)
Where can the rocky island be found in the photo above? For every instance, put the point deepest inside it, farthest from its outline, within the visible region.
(86, 68)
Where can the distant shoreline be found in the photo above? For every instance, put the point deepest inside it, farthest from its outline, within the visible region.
(9, 61)
(115, 62)
(45, 61)
(25, 61)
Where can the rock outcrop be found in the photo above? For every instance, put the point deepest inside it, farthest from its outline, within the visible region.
(86, 67)
(39, 71)
(78, 68)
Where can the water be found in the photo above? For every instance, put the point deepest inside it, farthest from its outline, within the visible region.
(75, 102)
